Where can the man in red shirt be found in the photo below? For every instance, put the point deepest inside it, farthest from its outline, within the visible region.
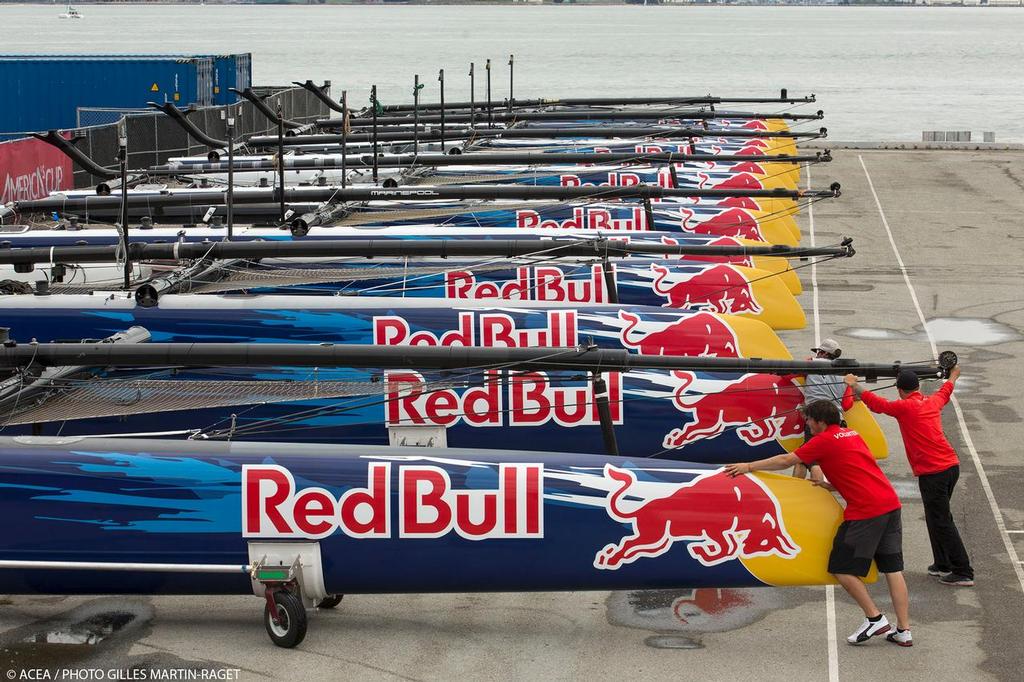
(871, 529)
(934, 462)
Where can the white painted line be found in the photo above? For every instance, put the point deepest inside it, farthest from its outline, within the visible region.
(1015, 531)
(830, 590)
(982, 475)
(833, 648)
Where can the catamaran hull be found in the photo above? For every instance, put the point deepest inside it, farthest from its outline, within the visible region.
(388, 520)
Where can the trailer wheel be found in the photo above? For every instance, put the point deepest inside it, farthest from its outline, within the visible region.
(330, 602)
(290, 628)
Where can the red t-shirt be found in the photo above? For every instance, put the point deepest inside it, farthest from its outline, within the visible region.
(920, 420)
(850, 467)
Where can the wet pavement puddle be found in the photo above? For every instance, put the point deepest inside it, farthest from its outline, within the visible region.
(74, 637)
(679, 618)
(961, 331)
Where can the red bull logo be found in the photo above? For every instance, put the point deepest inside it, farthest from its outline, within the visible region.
(547, 283)
(746, 261)
(615, 179)
(697, 334)
(531, 398)
(496, 330)
(429, 506)
(760, 407)
(584, 218)
(737, 181)
(731, 222)
(721, 519)
(719, 288)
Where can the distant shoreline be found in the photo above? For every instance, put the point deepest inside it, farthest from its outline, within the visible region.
(565, 3)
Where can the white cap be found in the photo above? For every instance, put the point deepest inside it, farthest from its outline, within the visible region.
(830, 346)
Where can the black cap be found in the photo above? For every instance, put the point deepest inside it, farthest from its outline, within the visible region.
(907, 381)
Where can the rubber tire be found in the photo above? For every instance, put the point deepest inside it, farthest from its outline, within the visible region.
(295, 612)
(330, 602)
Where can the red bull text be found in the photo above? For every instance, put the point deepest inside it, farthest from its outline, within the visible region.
(547, 283)
(586, 219)
(429, 506)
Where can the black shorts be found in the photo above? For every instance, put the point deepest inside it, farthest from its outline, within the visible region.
(858, 542)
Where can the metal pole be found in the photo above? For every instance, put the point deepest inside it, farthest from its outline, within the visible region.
(373, 105)
(231, 176)
(472, 95)
(280, 157)
(440, 78)
(416, 114)
(122, 157)
(608, 270)
(110, 566)
(511, 74)
(604, 413)
(344, 137)
(490, 114)
(402, 248)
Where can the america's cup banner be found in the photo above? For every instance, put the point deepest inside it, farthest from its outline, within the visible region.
(31, 169)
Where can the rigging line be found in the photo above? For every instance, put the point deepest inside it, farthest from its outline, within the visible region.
(328, 409)
(485, 262)
(21, 381)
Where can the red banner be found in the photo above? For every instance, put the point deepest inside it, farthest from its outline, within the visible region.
(30, 169)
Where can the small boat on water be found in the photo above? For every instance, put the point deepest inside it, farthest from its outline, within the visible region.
(70, 13)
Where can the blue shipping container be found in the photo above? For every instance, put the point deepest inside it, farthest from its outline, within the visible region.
(44, 92)
(230, 71)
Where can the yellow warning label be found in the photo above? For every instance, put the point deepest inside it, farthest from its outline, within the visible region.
(154, 88)
(177, 96)
(216, 89)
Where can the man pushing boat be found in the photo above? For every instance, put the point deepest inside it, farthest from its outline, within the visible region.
(872, 527)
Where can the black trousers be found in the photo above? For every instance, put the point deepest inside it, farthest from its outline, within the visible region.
(947, 547)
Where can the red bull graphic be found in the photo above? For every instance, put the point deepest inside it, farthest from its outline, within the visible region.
(542, 283)
(531, 397)
(718, 288)
(702, 334)
(746, 261)
(732, 222)
(615, 179)
(493, 330)
(737, 181)
(586, 218)
(747, 523)
(760, 407)
(399, 520)
(429, 506)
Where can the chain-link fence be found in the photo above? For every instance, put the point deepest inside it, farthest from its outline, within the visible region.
(154, 137)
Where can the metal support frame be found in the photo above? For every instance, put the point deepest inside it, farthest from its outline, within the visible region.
(511, 91)
(472, 95)
(344, 138)
(490, 112)
(373, 105)
(416, 114)
(600, 387)
(122, 158)
(280, 159)
(440, 79)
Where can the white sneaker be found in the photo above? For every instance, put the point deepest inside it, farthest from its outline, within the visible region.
(868, 630)
(902, 638)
